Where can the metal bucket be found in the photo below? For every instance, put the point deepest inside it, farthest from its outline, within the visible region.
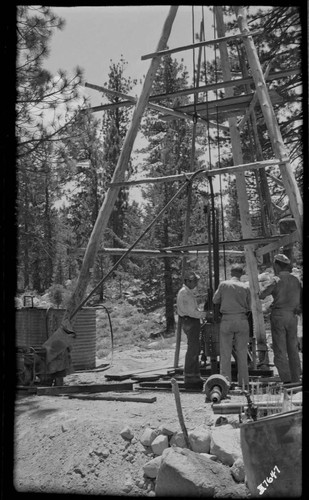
(34, 326)
(272, 455)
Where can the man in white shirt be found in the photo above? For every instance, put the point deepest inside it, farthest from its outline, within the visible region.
(188, 310)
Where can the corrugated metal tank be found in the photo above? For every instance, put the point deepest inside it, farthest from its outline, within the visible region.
(34, 325)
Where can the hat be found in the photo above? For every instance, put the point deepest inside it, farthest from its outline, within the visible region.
(237, 268)
(280, 257)
(191, 275)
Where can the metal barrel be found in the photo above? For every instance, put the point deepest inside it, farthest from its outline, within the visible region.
(30, 327)
(272, 455)
(33, 326)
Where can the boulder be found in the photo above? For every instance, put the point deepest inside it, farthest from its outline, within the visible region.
(159, 444)
(178, 439)
(238, 470)
(148, 436)
(184, 473)
(225, 444)
(167, 431)
(126, 433)
(208, 455)
(200, 440)
(151, 468)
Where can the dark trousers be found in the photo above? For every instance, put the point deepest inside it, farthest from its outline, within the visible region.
(285, 344)
(191, 327)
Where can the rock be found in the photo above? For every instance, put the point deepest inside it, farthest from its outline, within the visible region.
(188, 474)
(126, 433)
(233, 420)
(151, 468)
(159, 444)
(238, 470)
(129, 484)
(167, 431)
(200, 440)
(225, 444)
(221, 421)
(104, 453)
(178, 440)
(148, 436)
(211, 457)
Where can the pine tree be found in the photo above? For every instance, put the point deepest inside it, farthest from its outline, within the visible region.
(39, 124)
(169, 152)
(115, 125)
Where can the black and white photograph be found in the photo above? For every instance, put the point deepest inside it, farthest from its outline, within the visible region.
(158, 286)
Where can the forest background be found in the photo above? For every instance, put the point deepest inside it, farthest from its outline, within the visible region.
(66, 157)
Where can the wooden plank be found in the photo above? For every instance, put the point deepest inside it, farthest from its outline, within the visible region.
(209, 173)
(29, 389)
(146, 386)
(244, 241)
(115, 397)
(227, 103)
(118, 376)
(162, 109)
(237, 82)
(198, 45)
(280, 151)
(106, 107)
(91, 388)
(253, 102)
(283, 241)
(146, 377)
(163, 254)
(76, 299)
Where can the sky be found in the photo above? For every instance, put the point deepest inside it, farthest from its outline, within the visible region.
(95, 35)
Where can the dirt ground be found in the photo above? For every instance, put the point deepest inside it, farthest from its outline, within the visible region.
(65, 445)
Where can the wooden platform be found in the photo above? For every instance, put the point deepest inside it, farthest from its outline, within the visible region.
(223, 108)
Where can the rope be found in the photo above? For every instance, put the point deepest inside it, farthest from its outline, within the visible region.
(219, 153)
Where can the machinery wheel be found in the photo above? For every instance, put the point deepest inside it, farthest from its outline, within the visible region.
(216, 383)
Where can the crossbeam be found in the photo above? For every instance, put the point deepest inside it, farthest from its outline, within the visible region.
(215, 41)
(141, 252)
(226, 103)
(157, 107)
(229, 83)
(285, 240)
(242, 242)
(209, 173)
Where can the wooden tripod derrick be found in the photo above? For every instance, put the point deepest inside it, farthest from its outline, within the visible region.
(229, 108)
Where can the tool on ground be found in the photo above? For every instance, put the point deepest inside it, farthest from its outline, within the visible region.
(179, 413)
(216, 388)
(251, 410)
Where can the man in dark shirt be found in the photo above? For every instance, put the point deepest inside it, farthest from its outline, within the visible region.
(286, 291)
(235, 302)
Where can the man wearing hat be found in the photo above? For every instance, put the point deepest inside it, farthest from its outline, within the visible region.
(286, 291)
(187, 309)
(234, 298)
